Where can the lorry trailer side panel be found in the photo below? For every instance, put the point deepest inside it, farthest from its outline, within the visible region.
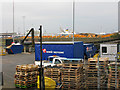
(74, 50)
(58, 50)
(78, 50)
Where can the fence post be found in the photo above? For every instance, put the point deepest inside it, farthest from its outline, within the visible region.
(116, 71)
(98, 73)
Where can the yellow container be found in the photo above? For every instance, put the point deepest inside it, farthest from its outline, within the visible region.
(96, 55)
(49, 83)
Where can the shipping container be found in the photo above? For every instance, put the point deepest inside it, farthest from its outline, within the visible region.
(109, 50)
(62, 49)
(14, 49)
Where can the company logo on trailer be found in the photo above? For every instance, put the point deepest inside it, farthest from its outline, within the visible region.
(89, 48)
(45, 51)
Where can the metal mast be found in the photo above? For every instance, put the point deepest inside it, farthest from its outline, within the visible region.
(24, 24)
(13, 20)
(98, 73)
(73, 18)
(116, 71)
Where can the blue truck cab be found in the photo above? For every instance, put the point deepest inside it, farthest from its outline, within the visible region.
(89, 50)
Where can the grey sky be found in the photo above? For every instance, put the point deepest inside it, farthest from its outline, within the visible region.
(89, 16)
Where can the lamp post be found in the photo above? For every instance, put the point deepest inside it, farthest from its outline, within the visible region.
(73, 18)
(24, 24)
(13, 20)
(41, 71)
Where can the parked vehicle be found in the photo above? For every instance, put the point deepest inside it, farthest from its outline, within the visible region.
(64, 49)
(89, 50)
(52, 61)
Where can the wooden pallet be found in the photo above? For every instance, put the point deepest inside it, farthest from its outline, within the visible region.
(70, 85)
(92, 72)
(70, 88)
(17, 81)
(53, 73)
(27, 67)
(72, 76)
(72, 65)
(70, 79)
(26, 76)
(73, 61)
(111, 85)
(52, 69)
(112, 76)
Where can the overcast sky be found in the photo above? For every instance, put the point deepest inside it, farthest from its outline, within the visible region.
(91, 17)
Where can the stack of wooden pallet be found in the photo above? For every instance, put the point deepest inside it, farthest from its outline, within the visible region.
(53, 73)
(95, 72)
(26, 76)
(72, 75)
(114, 75)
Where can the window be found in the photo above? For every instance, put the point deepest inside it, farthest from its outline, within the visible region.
(50, 59)
(57, 61)
(104, 49)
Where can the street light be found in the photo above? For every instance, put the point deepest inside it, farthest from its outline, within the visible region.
(13, 20)
(24, 24)
(41, 71)
(73, 18)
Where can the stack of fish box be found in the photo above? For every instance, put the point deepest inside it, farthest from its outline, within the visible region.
(54, 73)
(26, 76)
(72, 74)
(114, 75)
(94, 69)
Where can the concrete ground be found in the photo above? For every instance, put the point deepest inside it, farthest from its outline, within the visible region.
(9, 63)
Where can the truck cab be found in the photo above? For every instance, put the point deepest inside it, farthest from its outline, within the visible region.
(50, 58)
(52, 61)
(89, 50)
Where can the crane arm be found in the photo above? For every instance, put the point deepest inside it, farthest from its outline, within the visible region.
(32, 30)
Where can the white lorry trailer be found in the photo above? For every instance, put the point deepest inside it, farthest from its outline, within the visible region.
(109, 50)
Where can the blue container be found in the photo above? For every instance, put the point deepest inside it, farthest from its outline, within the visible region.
(89, 50)
(62, 49)
(15, 49)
